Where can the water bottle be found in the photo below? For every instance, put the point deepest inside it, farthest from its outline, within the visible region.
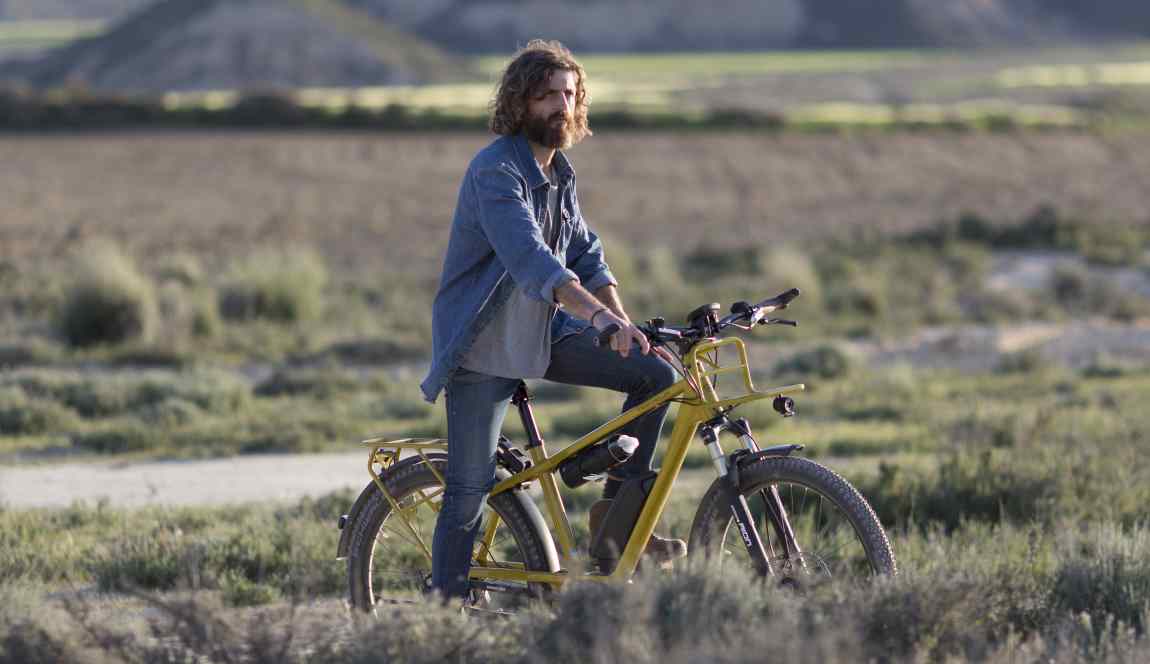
(596, 460)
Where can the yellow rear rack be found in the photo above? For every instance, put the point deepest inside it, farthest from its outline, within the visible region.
(384, 454)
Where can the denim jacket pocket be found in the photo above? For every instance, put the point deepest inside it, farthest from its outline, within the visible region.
(566, 229)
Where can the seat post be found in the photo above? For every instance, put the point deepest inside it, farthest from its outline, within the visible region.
(551, 498)
(522, 400)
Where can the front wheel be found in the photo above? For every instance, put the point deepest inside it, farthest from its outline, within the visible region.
(835, 528)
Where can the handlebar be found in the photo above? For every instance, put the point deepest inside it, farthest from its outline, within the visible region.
(752, 314)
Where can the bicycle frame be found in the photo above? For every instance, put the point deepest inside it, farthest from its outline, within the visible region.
(699, 402)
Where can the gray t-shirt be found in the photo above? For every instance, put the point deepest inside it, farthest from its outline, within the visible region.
(516, 342)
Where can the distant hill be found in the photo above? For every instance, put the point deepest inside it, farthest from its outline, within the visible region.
(26, 10)
(498, 26)
(239, 44)
(478, 26)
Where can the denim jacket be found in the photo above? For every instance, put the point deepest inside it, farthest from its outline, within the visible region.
(496, 243)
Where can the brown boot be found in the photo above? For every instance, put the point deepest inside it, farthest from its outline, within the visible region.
(659, 549)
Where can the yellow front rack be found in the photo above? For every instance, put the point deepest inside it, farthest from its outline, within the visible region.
(703, 365)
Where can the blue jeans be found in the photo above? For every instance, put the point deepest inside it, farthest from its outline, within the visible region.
(476, 405)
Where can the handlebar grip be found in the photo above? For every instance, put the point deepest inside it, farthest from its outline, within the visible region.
(604, 338)
(785, 298)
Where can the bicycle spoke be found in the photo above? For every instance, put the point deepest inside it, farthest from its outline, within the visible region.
(397, 532)
(766, 533)
(822, 531)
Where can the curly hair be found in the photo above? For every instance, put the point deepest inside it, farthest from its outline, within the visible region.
(530, 69)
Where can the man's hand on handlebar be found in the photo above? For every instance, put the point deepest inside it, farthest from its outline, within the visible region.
(626, 333)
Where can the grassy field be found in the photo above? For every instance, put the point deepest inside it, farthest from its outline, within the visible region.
(1015, 503)
(28, 34)
(1103, 85)
(1068, 87)
(272, 286)
(237, 293)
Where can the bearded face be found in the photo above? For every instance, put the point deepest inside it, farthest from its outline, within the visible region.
(550, 117)
(552, 131)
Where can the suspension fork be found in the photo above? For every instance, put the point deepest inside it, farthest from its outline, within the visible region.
(744, 521)
(776, 513)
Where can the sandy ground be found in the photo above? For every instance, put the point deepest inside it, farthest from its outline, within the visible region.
(210, 482)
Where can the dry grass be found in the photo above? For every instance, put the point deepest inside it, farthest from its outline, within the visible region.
(375, 204)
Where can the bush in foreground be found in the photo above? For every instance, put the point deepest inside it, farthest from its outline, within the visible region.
(997, 595)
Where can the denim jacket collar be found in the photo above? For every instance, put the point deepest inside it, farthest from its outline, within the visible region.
(530, 167)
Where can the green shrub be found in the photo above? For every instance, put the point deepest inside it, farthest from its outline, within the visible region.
(237, 590)
(979, 486)
(205, 315)
(1068, 461)
(1114, 245)
(825, 361)
(577, 422)
(188, 311)
(158, 560)
(622, 260)
(1071, 284)
(709, 262)
(878, 412)
(856, 298)
(994, 306)
(317, 383)
(1103, 365)
(107, 394)
(1028, 360)
(665, 288)
(27, 353)
(848, 447)
(170, 412)
(282, 286)
(181, 268)
(146, 356)
(786, 267)
(394, 347)
(1108, 574)
(109, 301)
(550, 391)
(132, 438)
(403, 407)
(20, 416)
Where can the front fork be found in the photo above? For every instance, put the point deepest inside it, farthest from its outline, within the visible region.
(728, 468)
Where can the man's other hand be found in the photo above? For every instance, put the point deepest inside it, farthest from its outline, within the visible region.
(621, 340)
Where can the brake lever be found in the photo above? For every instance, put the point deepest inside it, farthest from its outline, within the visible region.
(778, 321)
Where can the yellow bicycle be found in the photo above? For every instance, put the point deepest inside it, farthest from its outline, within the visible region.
(769, 513)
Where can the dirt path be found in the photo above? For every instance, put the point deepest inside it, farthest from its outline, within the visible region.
(210, 482)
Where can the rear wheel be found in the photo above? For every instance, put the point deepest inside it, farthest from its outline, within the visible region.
(389, 556)
(835, 528)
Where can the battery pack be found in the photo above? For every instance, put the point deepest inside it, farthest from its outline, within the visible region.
(608, 543)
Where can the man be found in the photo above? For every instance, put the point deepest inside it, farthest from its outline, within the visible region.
(523, 294)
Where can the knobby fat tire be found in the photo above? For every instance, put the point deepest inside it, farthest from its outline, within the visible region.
(713, 517)
(401, 482)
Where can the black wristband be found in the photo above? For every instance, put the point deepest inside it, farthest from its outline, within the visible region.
(597, 312)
